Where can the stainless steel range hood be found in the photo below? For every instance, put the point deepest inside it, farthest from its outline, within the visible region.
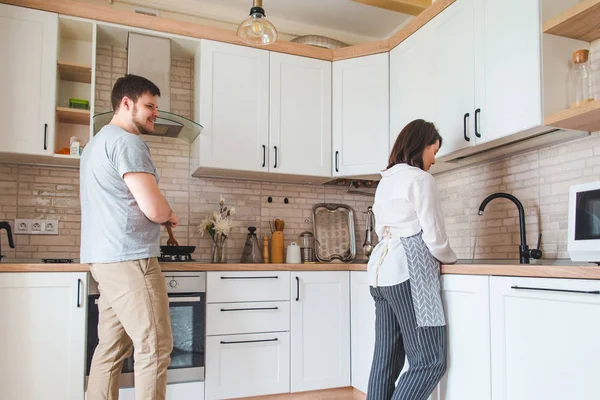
(150, 57)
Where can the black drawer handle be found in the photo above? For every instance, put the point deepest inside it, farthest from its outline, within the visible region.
(477, 122)
(297, 289)
(250, 341)
(45, 136)
(249, 277)
(250, 309)
(556, 290)
(337, 156)
(264, 155)
(79, 282)
(468, 139)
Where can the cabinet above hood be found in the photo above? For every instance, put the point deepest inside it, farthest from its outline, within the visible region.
(150, 57)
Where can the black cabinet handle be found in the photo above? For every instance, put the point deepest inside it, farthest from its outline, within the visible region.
(468, 139)
(275, 165)
(556, 290)
(264, 155)
(45, 136)
(337, 154)
(249, 309)
(249, 277)
(79, 282)
(297, 289)
(477, 122)
(250, 341)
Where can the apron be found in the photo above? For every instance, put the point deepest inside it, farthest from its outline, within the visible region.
(424, 275)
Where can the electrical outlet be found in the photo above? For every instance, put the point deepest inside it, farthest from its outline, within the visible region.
(21, 226)
(36, 227)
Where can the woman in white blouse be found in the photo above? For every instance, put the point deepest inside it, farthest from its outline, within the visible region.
(404, 270)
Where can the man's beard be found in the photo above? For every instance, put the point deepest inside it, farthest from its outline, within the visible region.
(141, 128)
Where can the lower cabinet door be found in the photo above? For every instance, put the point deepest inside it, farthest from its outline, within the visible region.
(175, 391)
(362, 329)
(466, 303)
(247, 365)
(545, 338)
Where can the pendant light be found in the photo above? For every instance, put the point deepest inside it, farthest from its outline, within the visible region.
(256, 29)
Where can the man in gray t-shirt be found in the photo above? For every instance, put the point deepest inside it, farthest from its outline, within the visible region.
(121, 213)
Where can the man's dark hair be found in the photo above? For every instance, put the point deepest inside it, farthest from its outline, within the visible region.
(412, 141)
(132, 86)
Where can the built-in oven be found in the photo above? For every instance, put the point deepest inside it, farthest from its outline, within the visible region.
(187, 308)
(584, 222)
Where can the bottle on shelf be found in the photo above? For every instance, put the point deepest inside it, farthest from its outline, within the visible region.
(579, 87)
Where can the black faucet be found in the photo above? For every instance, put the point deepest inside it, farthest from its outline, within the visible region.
(524, 252)
(6, 226)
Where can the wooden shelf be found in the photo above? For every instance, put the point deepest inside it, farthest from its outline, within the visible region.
(579, 22)
(582, 118)
(73, 115)
(75, 72)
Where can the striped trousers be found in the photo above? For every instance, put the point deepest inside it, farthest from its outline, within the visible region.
(397, 336)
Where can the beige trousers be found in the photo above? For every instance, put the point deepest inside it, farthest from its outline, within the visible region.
(134, 311)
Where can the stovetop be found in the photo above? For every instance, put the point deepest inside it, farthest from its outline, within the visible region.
(175, 258)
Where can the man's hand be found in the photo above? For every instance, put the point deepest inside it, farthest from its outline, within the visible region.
(173, 220)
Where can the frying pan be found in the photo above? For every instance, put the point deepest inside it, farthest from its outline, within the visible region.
(177, 250)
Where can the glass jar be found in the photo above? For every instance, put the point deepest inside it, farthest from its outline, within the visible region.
(579, 80)
(252, 253)
(307, 247)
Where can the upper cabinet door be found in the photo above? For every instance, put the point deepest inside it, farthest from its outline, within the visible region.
(454, 75)
(234, 107)
(360, 115)
(508, 77)
(28, 40)
(300, 120)
(411, 85)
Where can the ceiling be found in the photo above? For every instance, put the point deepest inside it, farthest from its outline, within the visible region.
(346, 20)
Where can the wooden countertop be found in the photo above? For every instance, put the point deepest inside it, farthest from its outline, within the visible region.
(537, 271)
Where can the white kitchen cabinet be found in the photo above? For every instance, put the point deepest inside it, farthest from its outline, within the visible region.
(175, 391)
(28, 80)
(361, 115)
(247, 365)
(247, 329)
(411, 84)
(320, 330)
(42, 339)
(300, 115)
(544, 338)
(362, 329)
(233, 107)
(507, 77)
(453, 72)
(466, 303)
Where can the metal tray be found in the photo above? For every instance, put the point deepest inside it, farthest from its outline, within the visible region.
(333, 225)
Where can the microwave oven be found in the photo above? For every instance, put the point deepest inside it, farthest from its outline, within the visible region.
(584, 222)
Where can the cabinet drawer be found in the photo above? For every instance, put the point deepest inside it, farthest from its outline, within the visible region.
(229, 319)
(247, 365)
(223, 287)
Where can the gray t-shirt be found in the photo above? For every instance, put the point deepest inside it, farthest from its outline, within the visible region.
(113, 227)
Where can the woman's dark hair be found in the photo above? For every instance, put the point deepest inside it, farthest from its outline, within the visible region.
(411, 143)
(132, 86)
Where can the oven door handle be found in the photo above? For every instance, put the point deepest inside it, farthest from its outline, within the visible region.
(183, 299)
(174, 299)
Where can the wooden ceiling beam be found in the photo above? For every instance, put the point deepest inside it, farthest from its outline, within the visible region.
(410, 7)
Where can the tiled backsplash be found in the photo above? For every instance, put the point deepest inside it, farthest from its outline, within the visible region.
(539, 178)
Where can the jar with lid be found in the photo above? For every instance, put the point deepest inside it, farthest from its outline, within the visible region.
(307, 247)
(579, 88)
